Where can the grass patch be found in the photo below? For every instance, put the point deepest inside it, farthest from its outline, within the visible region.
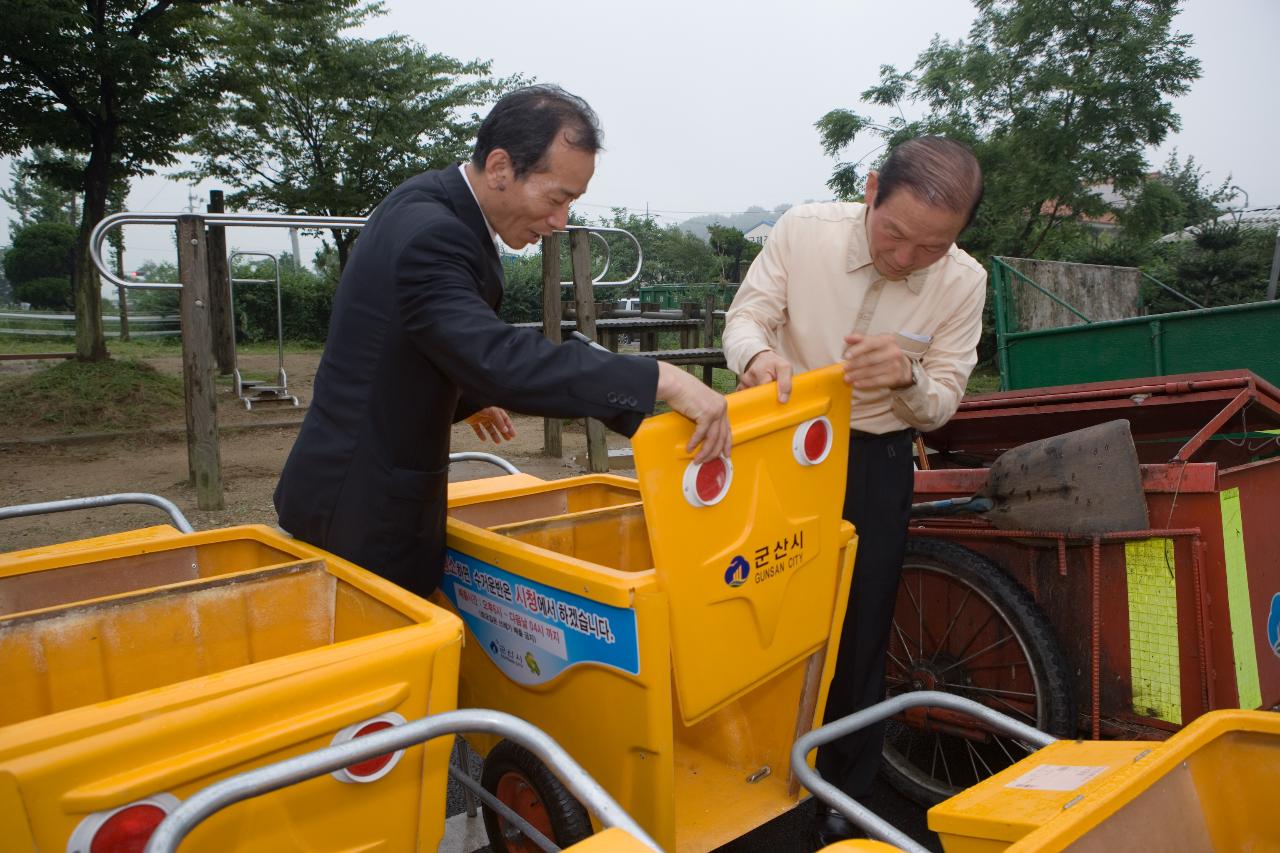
(77, 396)
(983, 380)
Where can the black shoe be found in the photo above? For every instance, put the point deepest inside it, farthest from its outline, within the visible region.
(830, 826)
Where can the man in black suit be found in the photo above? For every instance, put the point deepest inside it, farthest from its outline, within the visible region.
(415, 344)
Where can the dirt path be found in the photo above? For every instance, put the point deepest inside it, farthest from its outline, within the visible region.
(254, 445)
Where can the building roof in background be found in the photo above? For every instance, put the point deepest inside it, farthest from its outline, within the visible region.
(1267, 218)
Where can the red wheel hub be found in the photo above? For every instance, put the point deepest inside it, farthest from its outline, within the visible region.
(517, 792)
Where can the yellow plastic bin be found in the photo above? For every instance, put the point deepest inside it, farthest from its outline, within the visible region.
(140, 667)
(1210, 787)
(671, 632)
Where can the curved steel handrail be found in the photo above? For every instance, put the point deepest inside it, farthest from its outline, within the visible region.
(876, 826)
(272, 777)
(288, 220)
(263, 220)
(175, 514)
(481, 456)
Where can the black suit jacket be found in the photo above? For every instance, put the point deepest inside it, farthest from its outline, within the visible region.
(414, 332)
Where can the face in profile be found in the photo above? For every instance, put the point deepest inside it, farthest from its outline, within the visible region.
(532, 206)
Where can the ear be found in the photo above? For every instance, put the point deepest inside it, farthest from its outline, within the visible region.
(498, 171)
(873, 184)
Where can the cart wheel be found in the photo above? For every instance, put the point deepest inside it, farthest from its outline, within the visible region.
(962, 625)
(517, 778)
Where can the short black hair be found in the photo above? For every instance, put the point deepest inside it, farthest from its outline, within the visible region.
(525, 123)
(941, 172)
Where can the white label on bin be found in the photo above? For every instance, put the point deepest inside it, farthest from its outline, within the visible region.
(533, 632)
(1056, 777)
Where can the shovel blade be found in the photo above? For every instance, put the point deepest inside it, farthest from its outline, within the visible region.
(1081, 482)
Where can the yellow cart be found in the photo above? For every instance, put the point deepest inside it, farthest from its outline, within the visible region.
(672, 632)
(140, 667)
(1209, 787)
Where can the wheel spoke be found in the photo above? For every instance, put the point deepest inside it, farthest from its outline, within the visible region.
(919, 617)
(899, 663)
(977, 633)
(1015, 708)
(985, 765)
(906, 649)
(1000, 642)
(971, 752)
(955, 617)
(997, 690)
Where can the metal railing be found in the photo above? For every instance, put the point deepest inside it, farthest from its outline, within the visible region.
(859, 814)
(273, 777)
(175, 515)
(280, 220)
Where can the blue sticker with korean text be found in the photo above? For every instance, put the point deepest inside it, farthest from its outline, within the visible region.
(533, 632)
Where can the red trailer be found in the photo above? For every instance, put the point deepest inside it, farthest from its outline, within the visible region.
(1131, 634)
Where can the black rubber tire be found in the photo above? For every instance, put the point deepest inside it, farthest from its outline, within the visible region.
(957, 567)
(570, 822)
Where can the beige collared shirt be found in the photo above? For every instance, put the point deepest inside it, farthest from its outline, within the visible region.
(814, 283)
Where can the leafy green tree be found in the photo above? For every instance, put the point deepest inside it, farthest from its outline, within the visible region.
(1221, 264)
(35, 198)
(39, 264)
(320, 123)
(1055, 97)
(114, 82)
(735, 250)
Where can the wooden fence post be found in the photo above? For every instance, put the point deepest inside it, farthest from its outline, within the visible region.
(585, 305)
(709, 337)
(220, 310)
(199, 392)
(551, 444)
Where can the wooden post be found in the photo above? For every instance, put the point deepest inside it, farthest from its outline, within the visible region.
(585, 305)
(124, 306)
(709, 338)
(551, 311)
(220, 310)
(203, 458)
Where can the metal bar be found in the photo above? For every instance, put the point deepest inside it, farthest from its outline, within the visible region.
(255, 220)
(1176, 293)
(480, 456)
(598, 230)
(473, 789)
(1206, 432)
(1095, 638)
(876, 826)
(991, 533)
(1002, 323)
(175, 514)
(1123, 393)
(272, 777)
(1201, 633)
(1025, 278)
(1157, 346)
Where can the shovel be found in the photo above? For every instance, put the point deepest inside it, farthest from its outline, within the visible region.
(1082, 482)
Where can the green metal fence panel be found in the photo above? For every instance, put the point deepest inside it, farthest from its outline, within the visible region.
(1231, 337)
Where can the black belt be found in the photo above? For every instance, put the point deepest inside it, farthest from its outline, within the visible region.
(858, 435)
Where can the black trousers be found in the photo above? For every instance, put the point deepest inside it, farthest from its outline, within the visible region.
(878, 503)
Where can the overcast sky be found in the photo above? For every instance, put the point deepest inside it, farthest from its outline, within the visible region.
(709, 105)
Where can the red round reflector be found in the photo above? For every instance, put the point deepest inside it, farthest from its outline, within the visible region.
(370, 766)
(706, 484)
(128, 830)
(374, 768)
(815, 440)
(710, 480)
(812, 441)
(125, 829)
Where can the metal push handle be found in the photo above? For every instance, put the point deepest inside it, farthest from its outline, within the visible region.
(480, 456)
(272, 777)
(175, 514)
(851, 808)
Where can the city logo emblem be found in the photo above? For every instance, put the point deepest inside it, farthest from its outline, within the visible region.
(532, 662)
(738, 572)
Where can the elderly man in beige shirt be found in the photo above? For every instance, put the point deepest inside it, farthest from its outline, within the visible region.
(882, 287)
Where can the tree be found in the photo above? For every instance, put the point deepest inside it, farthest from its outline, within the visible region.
(323, 124)
(39, 264)
(35, 198)
(1056, 97)
(734, 248)
(114, 81)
